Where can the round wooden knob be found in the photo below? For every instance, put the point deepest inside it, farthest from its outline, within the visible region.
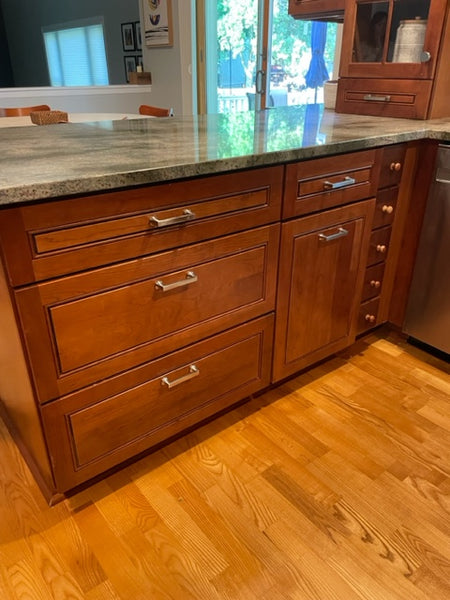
(370, 318)
(381, 248)
(395, 166)
(388, 209)
(374, 283)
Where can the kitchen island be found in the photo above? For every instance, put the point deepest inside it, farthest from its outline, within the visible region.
(157, 271)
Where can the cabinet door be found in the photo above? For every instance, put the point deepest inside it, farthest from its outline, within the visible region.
(316, 8)
(392, 39)
(322, 262)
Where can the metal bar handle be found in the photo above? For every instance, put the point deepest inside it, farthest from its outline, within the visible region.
(341, 232)
(193, 372)
(191, 277)
(187, 215)
(328, 185)
(373, 98)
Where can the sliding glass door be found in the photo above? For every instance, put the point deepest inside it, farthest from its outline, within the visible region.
(253, 55)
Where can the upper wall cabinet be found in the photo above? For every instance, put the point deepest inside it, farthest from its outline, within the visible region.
(393, 60)
(324, 10)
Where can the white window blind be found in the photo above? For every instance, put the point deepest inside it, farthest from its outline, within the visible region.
(76, 55)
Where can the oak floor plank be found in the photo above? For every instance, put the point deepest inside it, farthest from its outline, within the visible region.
(334, 485)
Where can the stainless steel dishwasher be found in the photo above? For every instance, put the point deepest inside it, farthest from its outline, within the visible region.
(428, 311)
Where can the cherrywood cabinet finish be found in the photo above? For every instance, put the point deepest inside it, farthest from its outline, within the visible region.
(415, 90)
(323, 183)
(95, 429)
(317, 9)
(322, 260)
(385, 227)
(83, 328)
(124, 336)
(71, 235)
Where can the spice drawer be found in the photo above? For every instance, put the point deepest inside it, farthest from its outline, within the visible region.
(385, 207)
(368, 315)
(71, 235)
(84, 328)
(379, 245)
(373, 281)
(96, 429)
(328, 182)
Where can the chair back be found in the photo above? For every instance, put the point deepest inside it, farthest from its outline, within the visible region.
(155, 111)
(22, 111)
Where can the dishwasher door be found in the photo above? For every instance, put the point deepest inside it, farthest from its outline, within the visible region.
(428, 312)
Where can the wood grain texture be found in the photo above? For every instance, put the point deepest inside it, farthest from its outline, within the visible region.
(334, 485)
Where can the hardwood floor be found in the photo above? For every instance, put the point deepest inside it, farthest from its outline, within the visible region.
(333, 486)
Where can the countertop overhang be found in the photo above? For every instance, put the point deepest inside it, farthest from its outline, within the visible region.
(42, 162)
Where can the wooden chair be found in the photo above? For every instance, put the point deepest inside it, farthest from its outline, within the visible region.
(22, 111)
(155, 111)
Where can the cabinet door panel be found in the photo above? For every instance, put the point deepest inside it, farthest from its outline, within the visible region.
(322, 263)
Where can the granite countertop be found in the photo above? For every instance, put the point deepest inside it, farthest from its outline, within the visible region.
(41, 162)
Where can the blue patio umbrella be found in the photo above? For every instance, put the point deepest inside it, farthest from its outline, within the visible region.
(317, 71)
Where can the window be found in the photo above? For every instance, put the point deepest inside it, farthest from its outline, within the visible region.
(76, 53)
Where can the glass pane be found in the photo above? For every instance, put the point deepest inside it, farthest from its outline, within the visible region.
(301, 58)
(409, 23)
(370, 31)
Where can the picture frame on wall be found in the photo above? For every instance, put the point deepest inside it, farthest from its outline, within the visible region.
(137, 35)
(157, 17)
(130, 66)
(128, 39)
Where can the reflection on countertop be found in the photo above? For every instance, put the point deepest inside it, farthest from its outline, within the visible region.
(72, 158)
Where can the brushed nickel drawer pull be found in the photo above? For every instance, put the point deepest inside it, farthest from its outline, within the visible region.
(328, 185)
(191, 277)
(193, 372)
(341, 232)
(373, 98)
(187, 215)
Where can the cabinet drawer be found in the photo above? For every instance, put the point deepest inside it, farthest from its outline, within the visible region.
(86, 327)
(379, 245)
(95, 429)
(385, 207)
(67, 236)
(384, 97)
(368, 315)
(327, 182)
(373, 281)
(392, 163)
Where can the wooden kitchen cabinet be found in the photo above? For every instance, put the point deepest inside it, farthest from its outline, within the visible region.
(134, 314)
(322, 262)
(324, 10)
(381, 261)
(394, 59)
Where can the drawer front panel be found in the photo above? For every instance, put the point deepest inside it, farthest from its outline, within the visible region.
(385, 207)
(379, 245)
(392, 162)
(368, 315)
(94, 330)
(327, 182)
(384, 97)
(373, 281)
(94, 430)
(68, 236)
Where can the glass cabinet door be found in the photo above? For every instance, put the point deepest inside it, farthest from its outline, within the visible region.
(394, 38)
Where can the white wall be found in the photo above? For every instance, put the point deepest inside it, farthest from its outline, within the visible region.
(171, 67)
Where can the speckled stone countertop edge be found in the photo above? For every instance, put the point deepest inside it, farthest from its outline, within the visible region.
(30, 191)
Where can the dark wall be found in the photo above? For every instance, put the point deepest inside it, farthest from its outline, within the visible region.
(24, 19)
